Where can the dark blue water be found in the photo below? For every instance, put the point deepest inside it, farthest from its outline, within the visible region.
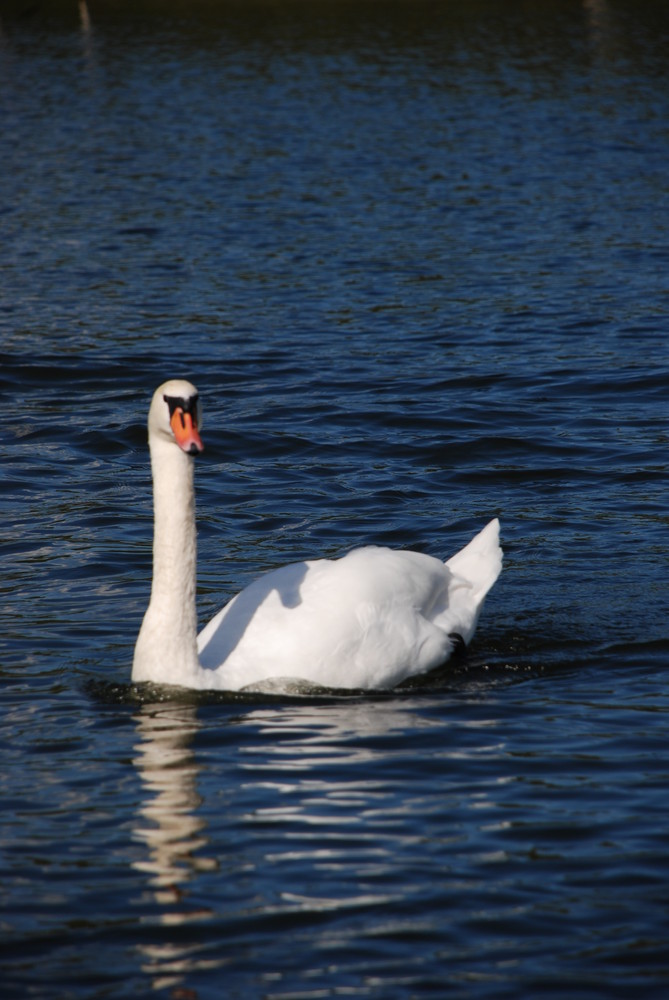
(416, 259)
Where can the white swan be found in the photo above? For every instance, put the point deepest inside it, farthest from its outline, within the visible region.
(368, 620)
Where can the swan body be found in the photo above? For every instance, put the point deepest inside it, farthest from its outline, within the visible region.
(368, 620)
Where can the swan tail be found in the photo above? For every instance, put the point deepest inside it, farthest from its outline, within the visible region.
(480, 562)
(475, 568)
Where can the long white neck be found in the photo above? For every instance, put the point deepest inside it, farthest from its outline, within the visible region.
(166, 649)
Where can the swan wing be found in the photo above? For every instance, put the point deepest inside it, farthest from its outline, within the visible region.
(367, 620)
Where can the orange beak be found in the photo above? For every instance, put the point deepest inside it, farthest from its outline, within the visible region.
(185, 431)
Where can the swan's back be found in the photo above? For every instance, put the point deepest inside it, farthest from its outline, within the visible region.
(368, 620)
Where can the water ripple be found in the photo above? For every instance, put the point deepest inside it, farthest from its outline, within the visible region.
(416, 265)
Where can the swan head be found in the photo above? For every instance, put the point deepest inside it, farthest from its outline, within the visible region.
(175, 416)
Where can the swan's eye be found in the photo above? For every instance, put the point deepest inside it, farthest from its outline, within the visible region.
(185, 422)
(190, 405)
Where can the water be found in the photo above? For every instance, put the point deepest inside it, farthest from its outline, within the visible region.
(415, 260)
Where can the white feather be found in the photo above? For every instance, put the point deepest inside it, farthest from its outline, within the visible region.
(368, 620)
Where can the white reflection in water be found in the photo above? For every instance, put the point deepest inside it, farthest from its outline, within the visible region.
(169, 825)
(357, 733)
(84, 17)
(86, 35)
(330, 821)
(334, 778)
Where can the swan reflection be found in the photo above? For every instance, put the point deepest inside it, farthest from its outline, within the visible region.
(310, 813)
(351, 733)
(169, 825)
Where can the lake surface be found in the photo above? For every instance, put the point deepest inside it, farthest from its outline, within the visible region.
(416, 259)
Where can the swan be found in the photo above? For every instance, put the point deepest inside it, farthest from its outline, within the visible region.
(368, 620)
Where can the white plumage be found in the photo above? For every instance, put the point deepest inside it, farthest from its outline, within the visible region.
(368, 620)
